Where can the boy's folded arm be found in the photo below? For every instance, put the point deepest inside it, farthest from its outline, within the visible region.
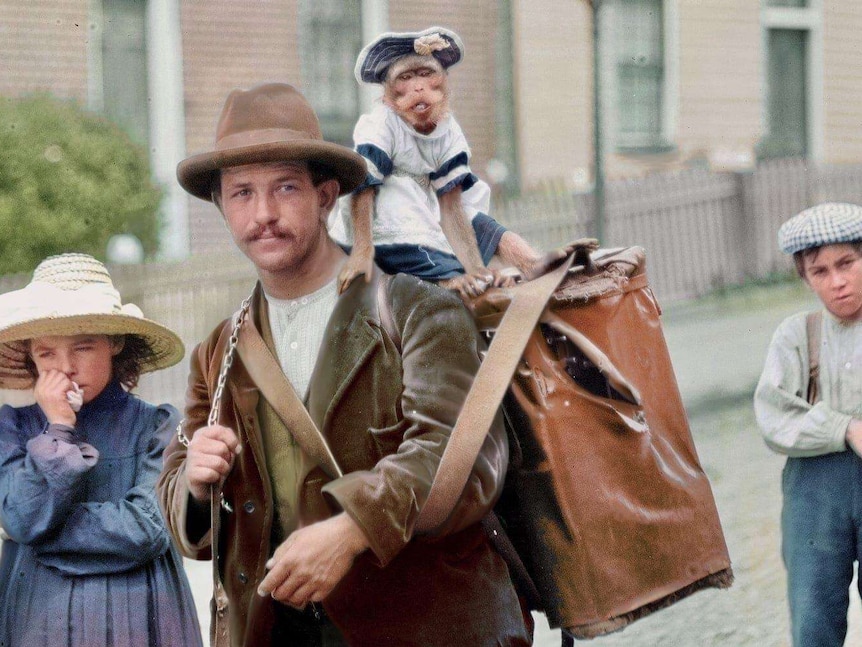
(788, 423)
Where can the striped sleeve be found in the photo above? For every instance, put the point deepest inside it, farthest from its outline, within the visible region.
(454, 172)
(373, 139)
(455, 169)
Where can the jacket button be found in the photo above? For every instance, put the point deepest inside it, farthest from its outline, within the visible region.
(248, 506)
(243, 578)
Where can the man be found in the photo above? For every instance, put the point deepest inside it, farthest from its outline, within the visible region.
(384, 386)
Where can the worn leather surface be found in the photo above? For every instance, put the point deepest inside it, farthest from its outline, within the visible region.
(610, 504)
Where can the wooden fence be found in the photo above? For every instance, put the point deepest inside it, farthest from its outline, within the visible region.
(701, 231)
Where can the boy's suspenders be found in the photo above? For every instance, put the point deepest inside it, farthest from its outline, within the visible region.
(813, 322)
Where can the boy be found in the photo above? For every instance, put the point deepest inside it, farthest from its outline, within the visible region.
(821, 435)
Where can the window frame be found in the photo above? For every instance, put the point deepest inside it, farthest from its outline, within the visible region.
(336, 126)
(807, 19)
(166, 114)
(610, 75)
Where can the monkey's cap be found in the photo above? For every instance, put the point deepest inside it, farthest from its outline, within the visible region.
(376, 57)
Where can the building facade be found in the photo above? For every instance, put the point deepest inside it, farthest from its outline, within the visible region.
(715, 83)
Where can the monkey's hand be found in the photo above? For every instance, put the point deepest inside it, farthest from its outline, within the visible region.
(471, 284)
(553, 258)
(359, 262)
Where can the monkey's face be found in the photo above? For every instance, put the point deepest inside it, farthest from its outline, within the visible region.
(420, 97)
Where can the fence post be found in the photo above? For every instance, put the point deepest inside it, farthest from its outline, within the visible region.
(746, 230)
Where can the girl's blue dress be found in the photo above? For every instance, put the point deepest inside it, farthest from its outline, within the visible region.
(90, 562)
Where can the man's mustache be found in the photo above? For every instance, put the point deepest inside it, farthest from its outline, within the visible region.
(268, 231)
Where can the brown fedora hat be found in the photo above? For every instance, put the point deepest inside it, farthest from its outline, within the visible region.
(269, 123)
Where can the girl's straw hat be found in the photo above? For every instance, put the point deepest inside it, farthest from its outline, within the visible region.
(72, 294)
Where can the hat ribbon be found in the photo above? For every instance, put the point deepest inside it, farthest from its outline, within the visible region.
(261, 136)
(430, 43)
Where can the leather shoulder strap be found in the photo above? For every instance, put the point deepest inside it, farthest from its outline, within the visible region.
(384, 309)
(489, 386)
(267, 375)
(813, 326)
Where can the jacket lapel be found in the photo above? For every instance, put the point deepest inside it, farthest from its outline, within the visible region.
(351, 337)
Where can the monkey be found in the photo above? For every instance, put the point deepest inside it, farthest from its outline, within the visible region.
(421, 210)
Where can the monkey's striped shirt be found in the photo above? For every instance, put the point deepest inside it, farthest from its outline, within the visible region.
(411, 170)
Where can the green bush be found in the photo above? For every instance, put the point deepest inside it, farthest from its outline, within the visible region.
(69, 180)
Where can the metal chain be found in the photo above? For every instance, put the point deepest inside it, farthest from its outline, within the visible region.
(227, 361)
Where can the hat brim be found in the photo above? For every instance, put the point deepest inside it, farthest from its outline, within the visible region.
(167, 348)
(196, 173)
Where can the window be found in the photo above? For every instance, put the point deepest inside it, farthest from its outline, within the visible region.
(792, 48)
(330, 33)
(124, 65)
(786, 94)
(639, 62)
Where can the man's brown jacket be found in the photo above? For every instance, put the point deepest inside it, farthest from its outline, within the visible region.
(386, 410)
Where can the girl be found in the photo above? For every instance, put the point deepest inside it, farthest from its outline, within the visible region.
(88, 561)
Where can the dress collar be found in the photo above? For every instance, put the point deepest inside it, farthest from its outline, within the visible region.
(111, 396)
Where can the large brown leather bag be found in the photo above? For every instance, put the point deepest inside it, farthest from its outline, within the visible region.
(607, 502)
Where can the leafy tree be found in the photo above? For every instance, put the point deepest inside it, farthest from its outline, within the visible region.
(69, 180)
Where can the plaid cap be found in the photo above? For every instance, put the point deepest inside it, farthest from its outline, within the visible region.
(824, 224)
(376, 57)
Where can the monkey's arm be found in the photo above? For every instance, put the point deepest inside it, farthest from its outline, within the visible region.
(459, 232)
(361, 256)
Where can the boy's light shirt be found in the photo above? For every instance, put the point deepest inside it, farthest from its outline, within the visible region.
(789, 424)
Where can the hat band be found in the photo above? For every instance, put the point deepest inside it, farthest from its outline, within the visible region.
(262, 136)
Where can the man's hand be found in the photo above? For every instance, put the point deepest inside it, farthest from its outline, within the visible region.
(311, 562)
(50, 394)
(854, 436)
(210, 457)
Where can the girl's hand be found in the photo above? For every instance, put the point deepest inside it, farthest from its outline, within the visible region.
(50, 393)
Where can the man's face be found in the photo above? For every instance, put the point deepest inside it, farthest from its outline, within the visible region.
(419, 97)
(87, 360)
(835, 274)
(275, 213)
